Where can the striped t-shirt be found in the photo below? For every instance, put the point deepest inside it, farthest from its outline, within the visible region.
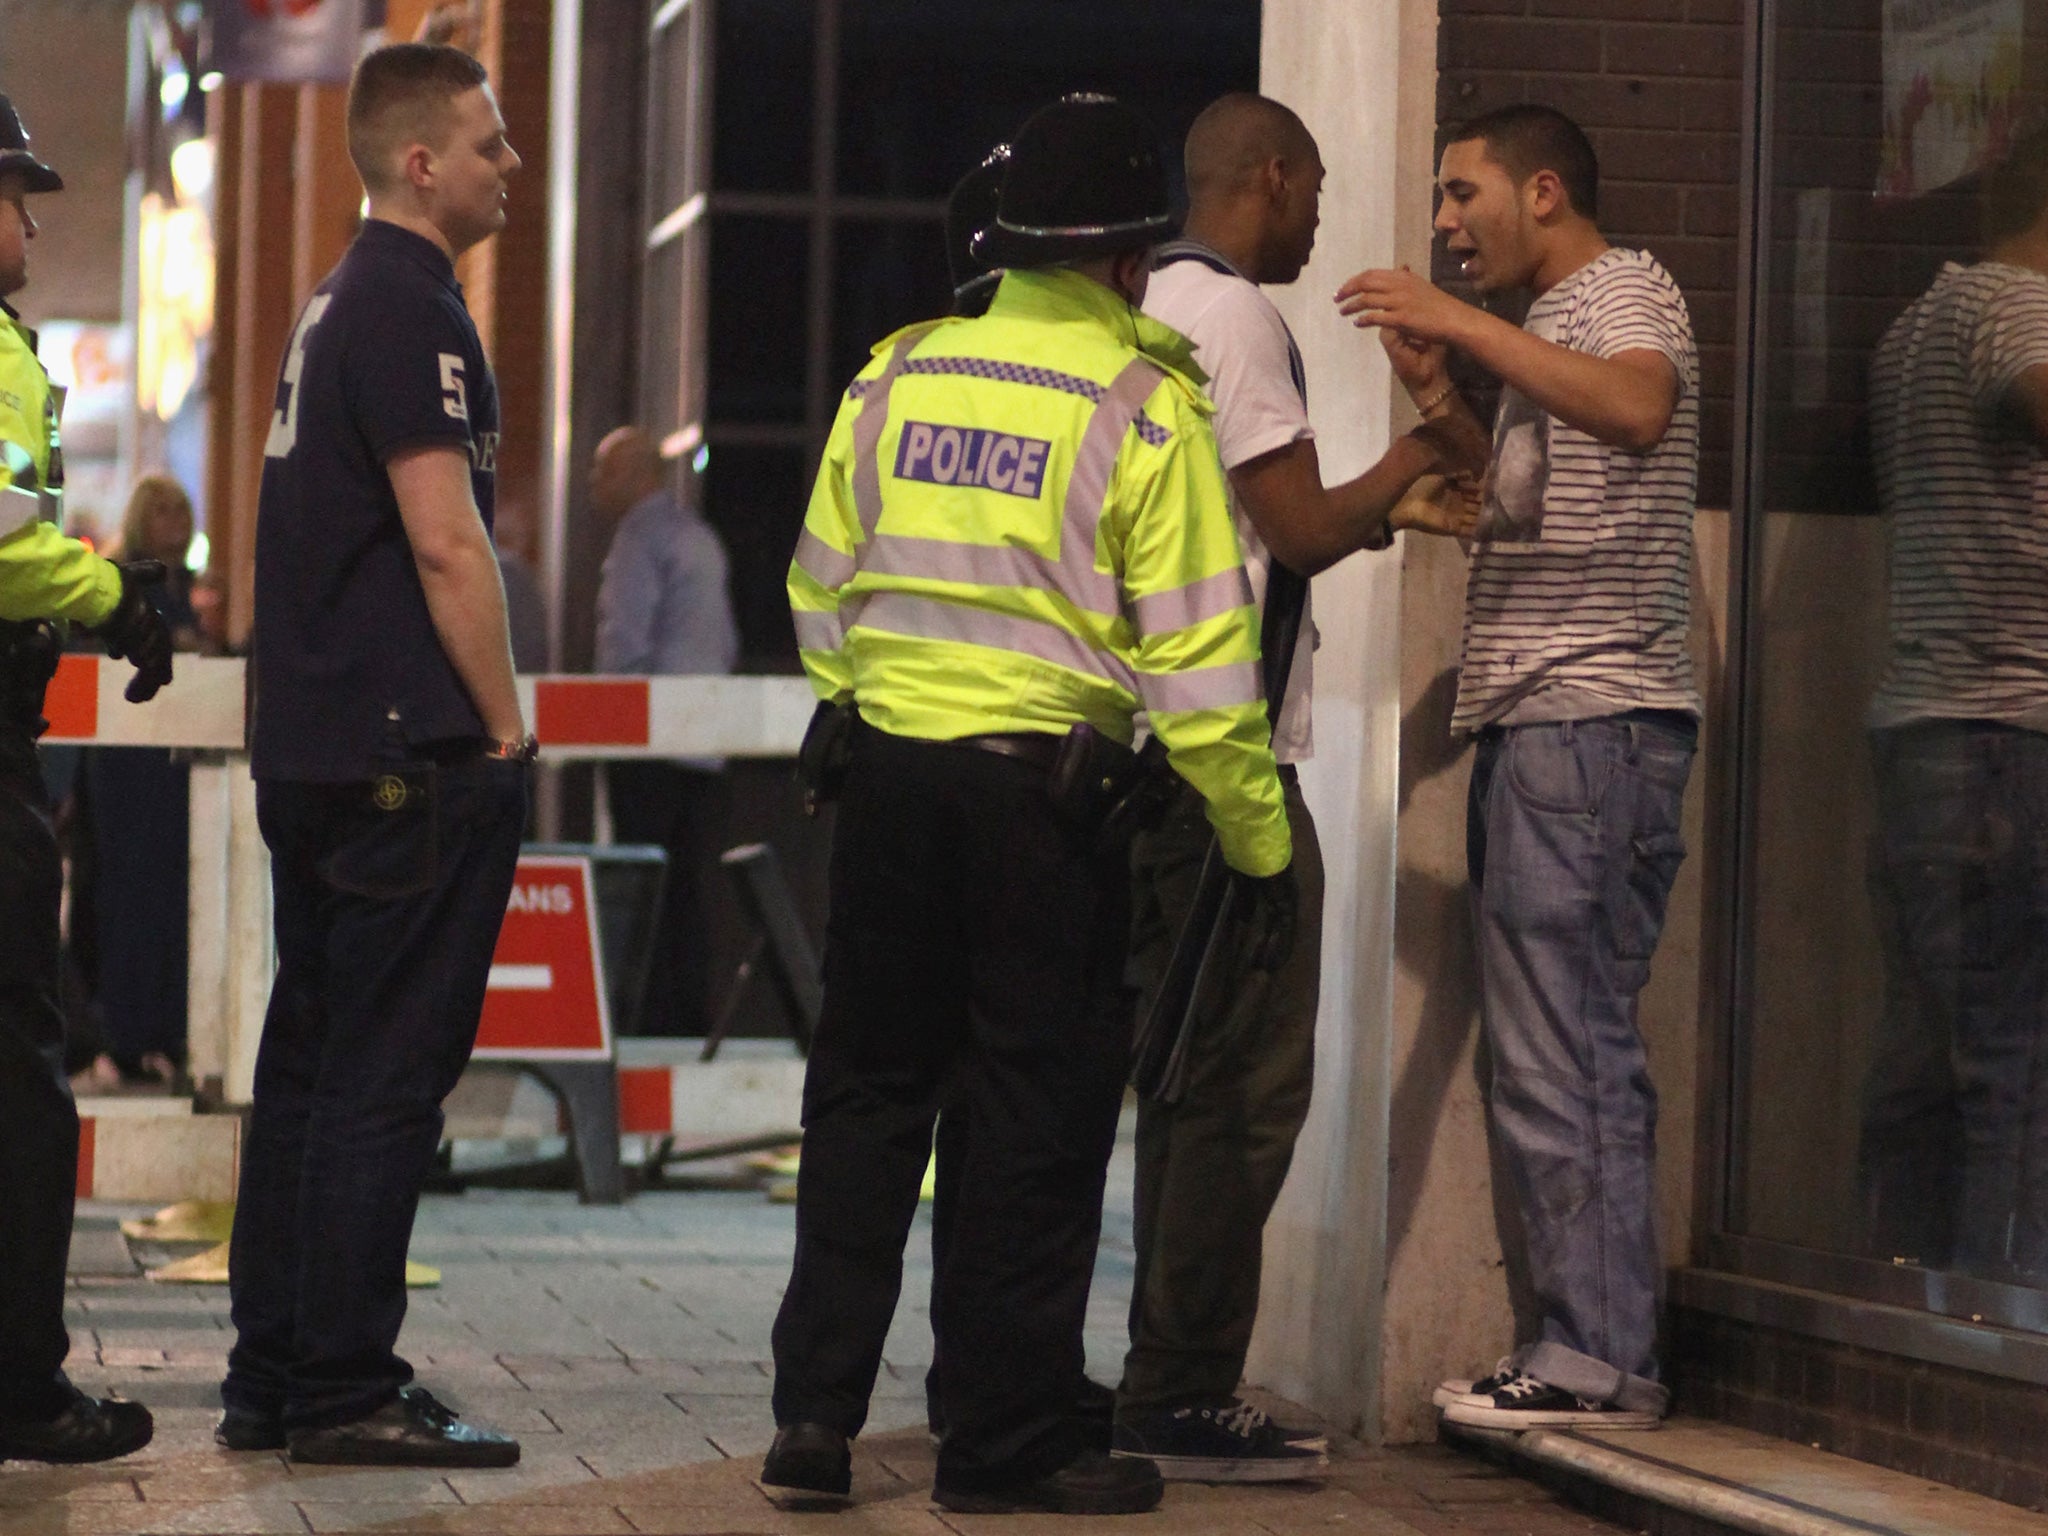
(1966, 485)
(1579, 595)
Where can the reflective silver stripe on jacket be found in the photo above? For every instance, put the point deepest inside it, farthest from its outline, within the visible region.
(934, 618)
(828, 567)
(867, 433)
(24, 500)
(1161, 613)
(818, 631)
(1233, 683)
(994, 565)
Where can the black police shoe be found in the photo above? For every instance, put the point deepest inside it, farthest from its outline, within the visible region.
(1093, 1413)
(1090, 1484)
(808, 1463)
(415, 1429)
(245, 1429)
(85, 1429)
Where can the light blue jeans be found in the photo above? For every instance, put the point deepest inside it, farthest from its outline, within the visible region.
(1572, 844)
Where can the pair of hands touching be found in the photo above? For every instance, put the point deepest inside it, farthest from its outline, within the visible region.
(1417, 321)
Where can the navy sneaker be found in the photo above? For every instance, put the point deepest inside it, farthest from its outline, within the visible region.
(1519, 1401)
(1224, 1442)
(1090, 1484)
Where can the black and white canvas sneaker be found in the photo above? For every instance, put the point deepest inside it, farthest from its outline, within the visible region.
(1484, 1386)
(1519, 1401)
(1225, 1442)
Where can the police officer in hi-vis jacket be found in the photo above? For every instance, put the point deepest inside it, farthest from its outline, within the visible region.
(46, 581)
(1019, 538)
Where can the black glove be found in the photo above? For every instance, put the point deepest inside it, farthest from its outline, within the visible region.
(1269, 906)
(136, 630)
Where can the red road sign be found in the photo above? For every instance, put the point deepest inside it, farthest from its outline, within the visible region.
(546, 997)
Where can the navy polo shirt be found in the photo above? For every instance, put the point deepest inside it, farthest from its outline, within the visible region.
(349, 675)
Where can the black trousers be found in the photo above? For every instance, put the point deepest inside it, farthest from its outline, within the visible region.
(388, 907)
(679, 809)
(38, 1122)
(973, 958)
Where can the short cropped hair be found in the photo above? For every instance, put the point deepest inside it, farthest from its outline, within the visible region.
(400, 96)
(2016, 189)
(1528, 138)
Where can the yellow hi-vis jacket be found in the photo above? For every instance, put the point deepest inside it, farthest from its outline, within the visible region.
(1020, 524)
(43, 575)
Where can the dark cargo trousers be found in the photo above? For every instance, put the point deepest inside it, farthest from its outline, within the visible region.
(388, 897)
(1210, 1167)
(38, 1122)
(973, 959)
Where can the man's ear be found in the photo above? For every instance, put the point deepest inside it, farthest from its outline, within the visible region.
(1273, 177)
(1547, 196)
(417, 168)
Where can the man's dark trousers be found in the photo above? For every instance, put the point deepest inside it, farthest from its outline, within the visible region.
(389, 896)
(38, 1122)
(1210, 1167)
(973, 959)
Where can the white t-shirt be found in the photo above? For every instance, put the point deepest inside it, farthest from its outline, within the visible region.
(1966, 485)
(1579, 597)
(1244, 345)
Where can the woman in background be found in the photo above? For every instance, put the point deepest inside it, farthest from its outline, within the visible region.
(138, 803)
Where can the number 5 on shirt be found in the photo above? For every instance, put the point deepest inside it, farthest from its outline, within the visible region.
(454, 398)
(284, 426)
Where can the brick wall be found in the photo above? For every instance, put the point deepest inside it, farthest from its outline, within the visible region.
(1657, 85)
(1946, 1425)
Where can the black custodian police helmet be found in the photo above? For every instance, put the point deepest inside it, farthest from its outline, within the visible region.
(1085, 179)
(15, 156)
(970, 210)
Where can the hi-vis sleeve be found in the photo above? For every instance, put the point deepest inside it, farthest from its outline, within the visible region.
(1197, 641)
(824, 563)
(44, 575)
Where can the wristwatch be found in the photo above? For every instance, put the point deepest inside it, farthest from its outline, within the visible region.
(524, 750)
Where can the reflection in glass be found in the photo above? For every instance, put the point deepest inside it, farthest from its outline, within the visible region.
(1953, 1160)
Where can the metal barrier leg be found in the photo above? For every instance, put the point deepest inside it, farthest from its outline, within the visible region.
(589, 1091)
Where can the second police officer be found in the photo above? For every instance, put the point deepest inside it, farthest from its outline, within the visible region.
(45, 581)
(1020, 536)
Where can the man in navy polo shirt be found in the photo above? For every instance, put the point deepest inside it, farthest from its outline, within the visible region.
(391, 765)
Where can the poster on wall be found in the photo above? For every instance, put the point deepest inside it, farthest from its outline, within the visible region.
(290, 42)
(1951, 89)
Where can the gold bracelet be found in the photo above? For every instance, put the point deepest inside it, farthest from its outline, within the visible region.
(1436, 400)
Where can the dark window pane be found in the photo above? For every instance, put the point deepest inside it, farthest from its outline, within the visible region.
(885, 276)
(763, 102)
(924, 94)
(755, 498)
(758, 287)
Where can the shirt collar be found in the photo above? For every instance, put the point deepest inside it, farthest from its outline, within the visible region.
(381, 235)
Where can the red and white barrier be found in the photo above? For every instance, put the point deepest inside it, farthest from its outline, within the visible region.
(575, 717)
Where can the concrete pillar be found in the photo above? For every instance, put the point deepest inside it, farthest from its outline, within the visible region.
(1361, 73)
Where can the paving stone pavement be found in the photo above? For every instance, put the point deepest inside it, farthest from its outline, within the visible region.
(628, 1349)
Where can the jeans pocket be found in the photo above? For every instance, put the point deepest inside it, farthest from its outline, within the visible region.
(1563, 769)
(1653, 863)
(1959, 909)
(391, 844)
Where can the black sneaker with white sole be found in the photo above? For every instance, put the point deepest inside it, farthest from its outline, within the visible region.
(1483, 1386)
(1519, 1401)
(1223, 1442)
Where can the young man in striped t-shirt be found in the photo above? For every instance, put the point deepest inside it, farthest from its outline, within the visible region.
(1954, 1155)
(1577, 683)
